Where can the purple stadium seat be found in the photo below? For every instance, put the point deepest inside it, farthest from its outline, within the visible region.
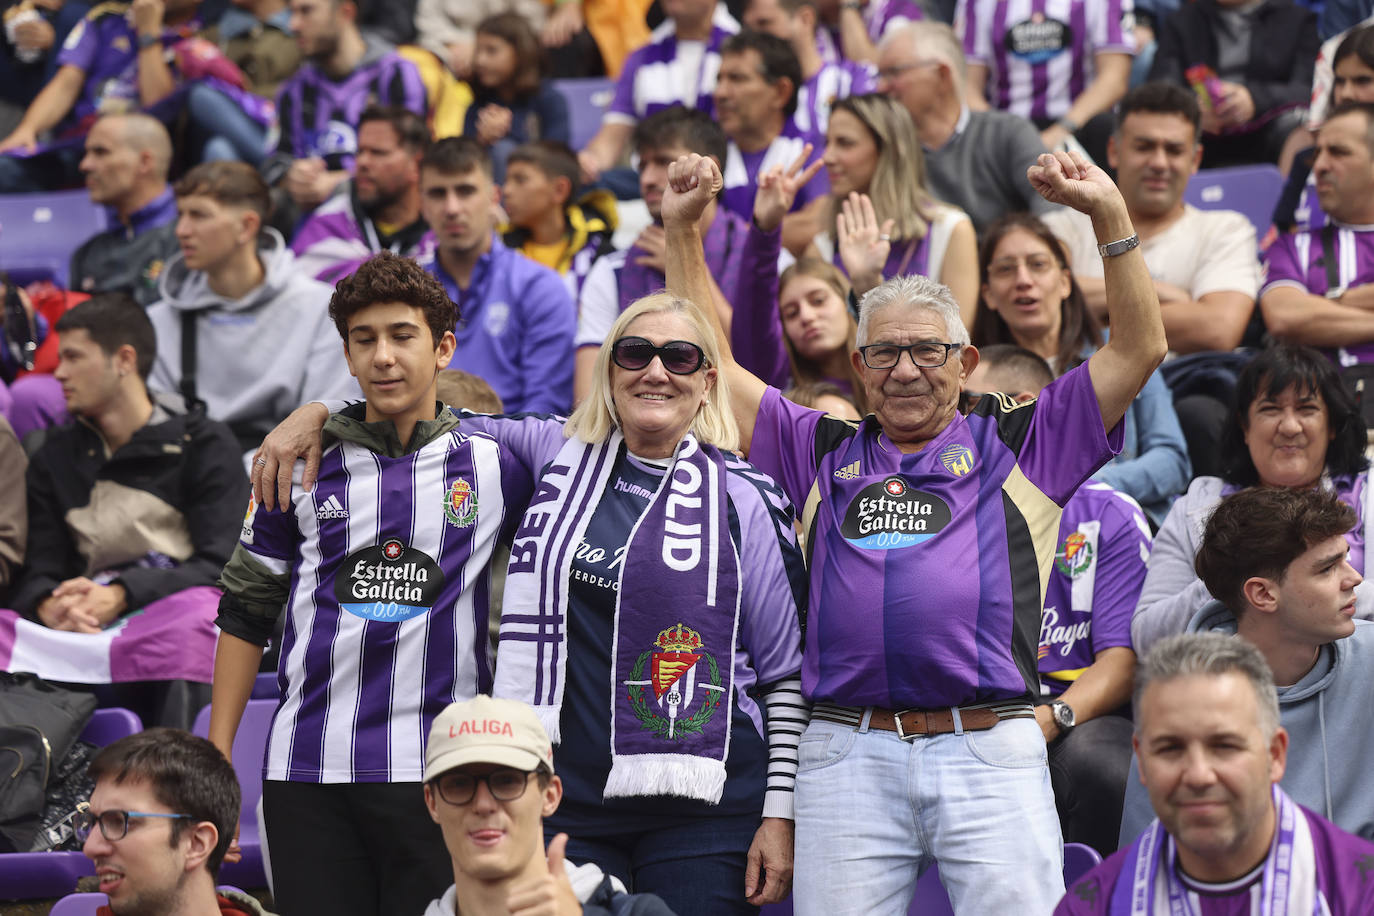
(109, 725)
(1251, 190)
(39, 232)
(249, 746)
(265, 687)
(1079, 859)
(79, 905)
(41, 875)
(587, 101)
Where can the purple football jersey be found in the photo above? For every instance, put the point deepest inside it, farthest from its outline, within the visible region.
(742, 170)
(657, 76)
(928, 570)
(1299, 261)
(835, 80)
(1039, 53)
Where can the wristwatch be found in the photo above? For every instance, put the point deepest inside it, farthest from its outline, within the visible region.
(1120, 246)
(147, 41)
(1063, 714)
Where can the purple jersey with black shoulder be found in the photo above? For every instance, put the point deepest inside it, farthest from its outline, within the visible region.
(1099, 569)
(1299, 261)
(105, 46)
(1039, 53)
(318, 116)
(880, 16)
(742, 170)
(928, 570)
(386, 619)
(659, 76)
(1344, 880)
(835, 80)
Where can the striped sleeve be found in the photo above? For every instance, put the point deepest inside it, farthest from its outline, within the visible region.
(787, 714)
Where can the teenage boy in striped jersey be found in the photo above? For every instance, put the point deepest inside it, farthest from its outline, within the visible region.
(381, 571)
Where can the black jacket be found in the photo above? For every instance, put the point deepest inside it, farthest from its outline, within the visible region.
(1283, 49)
(165, 509)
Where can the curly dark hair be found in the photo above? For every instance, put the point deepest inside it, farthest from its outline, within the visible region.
(389, 277)
(1274, 370)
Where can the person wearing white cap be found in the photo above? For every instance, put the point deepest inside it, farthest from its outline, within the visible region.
(479, 761)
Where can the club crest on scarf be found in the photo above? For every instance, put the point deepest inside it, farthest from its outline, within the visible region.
(673, 668)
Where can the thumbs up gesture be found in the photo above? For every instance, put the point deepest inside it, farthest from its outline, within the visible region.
(550, 893)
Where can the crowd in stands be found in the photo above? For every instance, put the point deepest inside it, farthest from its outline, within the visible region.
(835, 461)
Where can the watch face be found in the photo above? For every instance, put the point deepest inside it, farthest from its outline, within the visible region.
(1063, 715)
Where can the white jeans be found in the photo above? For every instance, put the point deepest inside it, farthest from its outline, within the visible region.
(874, 811)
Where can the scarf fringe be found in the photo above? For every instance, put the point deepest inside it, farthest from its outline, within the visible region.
(666, 774)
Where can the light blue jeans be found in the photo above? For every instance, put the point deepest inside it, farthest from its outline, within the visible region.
(873, 812)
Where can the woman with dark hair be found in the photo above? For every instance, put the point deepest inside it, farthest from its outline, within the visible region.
(1294, 425)
(1029, 298)
(511, 103)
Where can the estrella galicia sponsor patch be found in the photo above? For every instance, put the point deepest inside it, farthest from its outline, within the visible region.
(890, 514)
(1039, 38)
(389, 582)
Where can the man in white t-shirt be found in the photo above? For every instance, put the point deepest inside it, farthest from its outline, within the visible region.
(1203, 261)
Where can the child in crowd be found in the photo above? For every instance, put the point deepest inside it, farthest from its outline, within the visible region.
(511, 103)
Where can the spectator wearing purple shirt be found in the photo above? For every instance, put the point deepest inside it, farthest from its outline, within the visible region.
(677, 67)
(1060, 63)
(823, 81)
(1085, 655)
(756, 97)
(1319, 284)
(1227, 839)
(899, 648)
(518, 316)
(114, 60)
(852, 29)
(343, 73)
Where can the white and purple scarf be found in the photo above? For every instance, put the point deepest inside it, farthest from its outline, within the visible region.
(172, 638)
(676, 617)
(1150, 885)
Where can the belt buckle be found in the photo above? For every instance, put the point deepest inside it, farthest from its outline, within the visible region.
(897, 722)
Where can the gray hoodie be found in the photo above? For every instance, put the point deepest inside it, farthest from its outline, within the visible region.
(1330, 743)
(259, 357)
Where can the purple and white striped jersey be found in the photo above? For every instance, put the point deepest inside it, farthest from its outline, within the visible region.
(881, 16)
(1039, 53)
(663, 73)
(741, 173)
(833, 81)
(387, 609)
(318, 116)
(1298, 260)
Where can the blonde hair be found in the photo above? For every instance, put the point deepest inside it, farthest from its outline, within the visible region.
(714, 424)
(807, 371)
(899, 188)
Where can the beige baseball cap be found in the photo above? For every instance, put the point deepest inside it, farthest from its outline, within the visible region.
(487, 730)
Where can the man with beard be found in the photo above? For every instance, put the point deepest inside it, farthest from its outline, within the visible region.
(380, 208)
(344, 71)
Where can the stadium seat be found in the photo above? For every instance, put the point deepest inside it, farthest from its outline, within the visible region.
(79, 905)
(249, 745)
(109, 725)
(39, 232)
(41, 875)
(265, 686)
(587, 101)
(1251, 190)
(1079, 859)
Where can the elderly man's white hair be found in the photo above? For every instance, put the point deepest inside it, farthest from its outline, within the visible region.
(930, 40)
(911, 294)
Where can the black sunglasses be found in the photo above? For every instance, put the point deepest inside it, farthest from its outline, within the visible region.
(680, 357)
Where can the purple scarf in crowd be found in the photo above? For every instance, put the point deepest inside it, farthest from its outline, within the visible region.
(1150, 886)
(676, 618)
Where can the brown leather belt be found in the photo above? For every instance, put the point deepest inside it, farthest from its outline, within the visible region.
(916, 723)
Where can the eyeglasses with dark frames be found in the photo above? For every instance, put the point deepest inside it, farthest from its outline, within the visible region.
(924, 355)
(506, 784)
(114, 825)
(680, 357)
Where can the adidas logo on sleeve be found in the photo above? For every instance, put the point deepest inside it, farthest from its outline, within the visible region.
(331, 508)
